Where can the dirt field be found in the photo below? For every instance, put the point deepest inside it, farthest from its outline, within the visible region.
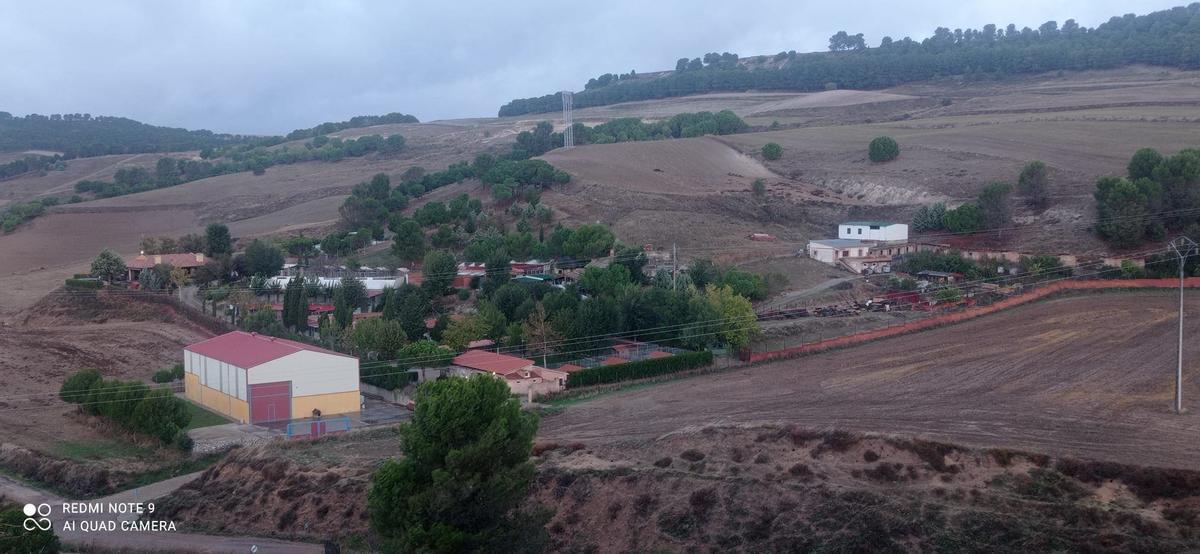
(736, 488)
(44, 438)
(1087, 376)
(103, 168)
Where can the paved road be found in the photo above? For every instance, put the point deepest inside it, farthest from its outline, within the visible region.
(142, 541)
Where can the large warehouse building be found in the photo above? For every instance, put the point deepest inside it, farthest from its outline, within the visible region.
(258, 379)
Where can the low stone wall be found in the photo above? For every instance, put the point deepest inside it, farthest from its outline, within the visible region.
(963, 315)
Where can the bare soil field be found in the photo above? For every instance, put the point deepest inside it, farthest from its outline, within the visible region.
(43, 437)
(737, 488)
(62, 183)
(1088, 376)
(687, 166)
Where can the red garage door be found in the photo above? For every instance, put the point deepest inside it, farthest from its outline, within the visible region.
(271, 402)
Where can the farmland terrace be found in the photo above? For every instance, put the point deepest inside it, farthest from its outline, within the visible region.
(1088, 376)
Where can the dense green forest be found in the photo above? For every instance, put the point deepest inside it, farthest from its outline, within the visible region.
(84, 135)
(1167, 38)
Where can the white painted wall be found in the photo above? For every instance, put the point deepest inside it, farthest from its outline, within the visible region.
(310, 373)
(821, 253)
(890, 232)
(215, 374)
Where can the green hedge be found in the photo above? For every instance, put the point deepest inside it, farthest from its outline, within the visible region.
(85, 283)
(131, 404)
(640, 369)
(173, 373)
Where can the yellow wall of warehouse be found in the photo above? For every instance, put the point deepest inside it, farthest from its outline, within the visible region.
(214, 399)
(329, 404)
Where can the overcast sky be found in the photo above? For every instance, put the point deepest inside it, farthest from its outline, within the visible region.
(272, 66)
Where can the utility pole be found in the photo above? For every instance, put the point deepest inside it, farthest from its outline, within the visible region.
(1183, 247)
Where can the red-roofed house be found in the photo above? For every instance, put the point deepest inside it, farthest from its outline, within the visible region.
(468, 271)
(258, 379)
(521, 375)
(187, 262)
(569, 368)
(613, 360)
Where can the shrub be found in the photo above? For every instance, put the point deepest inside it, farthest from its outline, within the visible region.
(772, 151)
(640, 369)
(883, 149)
(84, 283)
(76, 388)
(130, 404)
(162, 376)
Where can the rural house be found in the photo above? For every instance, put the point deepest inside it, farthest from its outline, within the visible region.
(187, 262)
(522, 376)
(873, 230)
(863, 246)
(259, 379)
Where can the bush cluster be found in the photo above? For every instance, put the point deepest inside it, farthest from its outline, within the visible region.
(130, 404)
(640, 369)
(84, 283)
(174, 373)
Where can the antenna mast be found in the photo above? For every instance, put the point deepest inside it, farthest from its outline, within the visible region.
(568, 98)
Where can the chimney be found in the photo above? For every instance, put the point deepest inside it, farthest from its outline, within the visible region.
(199, 258)
(157, 259)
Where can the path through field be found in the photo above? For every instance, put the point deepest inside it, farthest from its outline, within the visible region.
(1089, 376)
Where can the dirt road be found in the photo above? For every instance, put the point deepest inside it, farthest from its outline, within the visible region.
(1089, 376)
(148, 541)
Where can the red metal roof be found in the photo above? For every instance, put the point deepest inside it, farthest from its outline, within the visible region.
(613, 360)
(247, 350)
(659, 354)
(483, 360)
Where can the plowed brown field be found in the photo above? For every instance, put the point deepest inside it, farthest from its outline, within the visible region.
(1089, 376)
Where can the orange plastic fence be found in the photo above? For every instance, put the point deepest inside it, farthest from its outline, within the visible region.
(968, 313)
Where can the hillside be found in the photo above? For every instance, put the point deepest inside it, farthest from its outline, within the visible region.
(754, 489)
(955, 136)
(1160, 38)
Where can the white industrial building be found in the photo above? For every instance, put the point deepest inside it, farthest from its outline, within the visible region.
(873, 230)
(261, 379)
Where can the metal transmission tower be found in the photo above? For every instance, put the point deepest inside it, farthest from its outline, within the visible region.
(568, 98)
(1183, 247)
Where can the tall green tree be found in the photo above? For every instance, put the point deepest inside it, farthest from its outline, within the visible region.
(439, 270)
(263, 258)
(1034, 184)
(465, 474)
(1143, 162)
(108, 266)
(996, 206)
(1122, 209)
(409, 242)
(217, 240)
